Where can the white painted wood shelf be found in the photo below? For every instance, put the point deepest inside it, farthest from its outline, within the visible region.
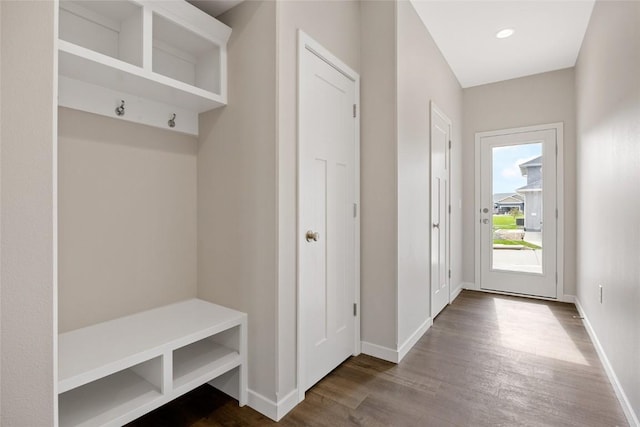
(114, 372)
(160, 57)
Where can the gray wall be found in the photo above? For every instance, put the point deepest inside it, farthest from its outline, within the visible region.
(538, 99)
(27, 261)
(378, 175)
(402, 72)
(237, 189)
(423, 76)
(608, 158)
(1, 259)
(126, 218)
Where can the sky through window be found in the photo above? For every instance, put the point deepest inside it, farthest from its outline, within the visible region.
(506, 171)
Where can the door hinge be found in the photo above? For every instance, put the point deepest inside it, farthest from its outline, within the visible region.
(355, 309)
(449, 274)
(355, 210)
(354, 110)
(449, 144)
(556, 213)
(556, 277)
(449, 208)
(556, 149)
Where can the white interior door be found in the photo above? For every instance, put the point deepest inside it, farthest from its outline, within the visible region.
(328, 239)
(440, 163)
(518, 213)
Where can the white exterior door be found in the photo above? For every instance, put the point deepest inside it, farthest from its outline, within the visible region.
(518, 212)
(328, 238)
(440, 163)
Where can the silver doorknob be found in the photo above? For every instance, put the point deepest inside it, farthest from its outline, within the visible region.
(312, 236)
(485, 221)
(436, 225)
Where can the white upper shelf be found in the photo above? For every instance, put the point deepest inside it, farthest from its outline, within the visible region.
(79, 63)
(167, 52)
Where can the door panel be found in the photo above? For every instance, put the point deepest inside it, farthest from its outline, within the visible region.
(317, 282)
(440, 137)
(518, 222)
(327, 195)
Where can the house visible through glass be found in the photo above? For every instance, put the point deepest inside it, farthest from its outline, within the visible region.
(517, 208)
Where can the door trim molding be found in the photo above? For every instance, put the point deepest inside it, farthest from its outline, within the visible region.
(559, 128)
(306, 43)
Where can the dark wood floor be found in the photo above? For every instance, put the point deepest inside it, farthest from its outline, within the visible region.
(488, 360)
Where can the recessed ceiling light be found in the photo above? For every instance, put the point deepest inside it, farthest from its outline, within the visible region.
(503, 34)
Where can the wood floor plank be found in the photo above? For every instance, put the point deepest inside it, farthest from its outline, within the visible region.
(488, 360)
(349, 386)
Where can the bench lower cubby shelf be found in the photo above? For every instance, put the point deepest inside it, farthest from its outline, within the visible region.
(116, 371)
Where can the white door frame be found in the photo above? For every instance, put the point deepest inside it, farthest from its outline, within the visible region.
(432, 111)
(559, 128)
(306, 43)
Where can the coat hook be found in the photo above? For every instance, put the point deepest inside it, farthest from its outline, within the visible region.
(172, 121)
(120, 109)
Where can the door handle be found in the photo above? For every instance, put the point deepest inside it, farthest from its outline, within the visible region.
(436, 225)
(312, 236)
(485, 221)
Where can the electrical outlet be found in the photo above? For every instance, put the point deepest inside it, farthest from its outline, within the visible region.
(600, 289)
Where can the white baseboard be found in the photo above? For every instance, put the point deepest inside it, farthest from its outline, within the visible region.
(413, 339)
(395, 356)
(568, 298)
(384, 353)
(456, 292)
(287, 403)
(632, 417)
(265, 406)
(271, 409)
(469, 285)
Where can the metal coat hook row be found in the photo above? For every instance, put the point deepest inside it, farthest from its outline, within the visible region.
(172, 121)
(120, 109)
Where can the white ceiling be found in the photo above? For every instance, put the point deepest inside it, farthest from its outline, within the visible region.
(548, 36)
